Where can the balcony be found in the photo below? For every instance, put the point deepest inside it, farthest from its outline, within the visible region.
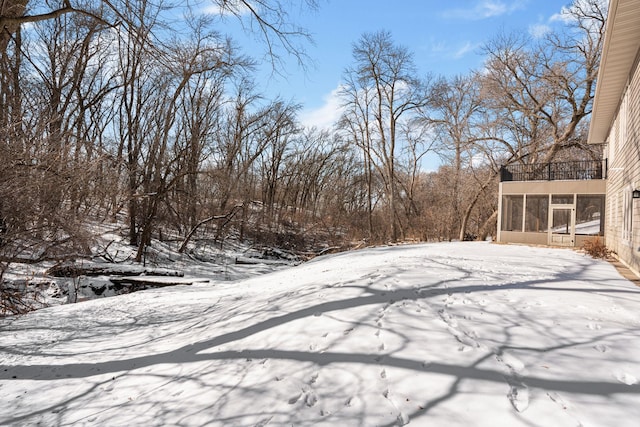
(577, 170)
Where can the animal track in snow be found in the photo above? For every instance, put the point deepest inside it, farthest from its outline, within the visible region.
(306, 394)
(626, 378)
(468, 338)
(514, 364)
(519, 396)
(314, 378)
(294, 399)
(264, 422)
(310, 399)
(351, 401)
(555, 397)
(518, 393)
(601, 348)
(402, 418)
(447, 318)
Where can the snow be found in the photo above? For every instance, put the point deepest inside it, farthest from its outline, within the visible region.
(447, 334)
(46, 283)
(591, 228)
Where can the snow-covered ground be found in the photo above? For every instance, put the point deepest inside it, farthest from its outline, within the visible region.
(449, 334)
(204, 260)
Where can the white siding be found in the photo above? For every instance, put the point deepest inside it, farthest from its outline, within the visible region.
(622, 222)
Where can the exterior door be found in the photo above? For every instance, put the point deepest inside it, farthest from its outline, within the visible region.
(562, 230)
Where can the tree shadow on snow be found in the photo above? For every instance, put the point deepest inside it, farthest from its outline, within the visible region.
(371, 294)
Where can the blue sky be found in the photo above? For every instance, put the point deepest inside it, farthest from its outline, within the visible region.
(444, 36)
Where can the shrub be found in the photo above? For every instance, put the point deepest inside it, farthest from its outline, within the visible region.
(596, 248)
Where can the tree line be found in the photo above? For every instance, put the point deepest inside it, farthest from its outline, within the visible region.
(120, 112)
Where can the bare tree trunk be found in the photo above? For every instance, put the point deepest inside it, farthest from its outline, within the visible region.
(193, 230)
(472, 204)
(488, 224)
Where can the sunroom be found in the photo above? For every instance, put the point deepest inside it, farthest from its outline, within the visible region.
(557, 204)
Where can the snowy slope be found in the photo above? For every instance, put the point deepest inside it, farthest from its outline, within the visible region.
(451, 334)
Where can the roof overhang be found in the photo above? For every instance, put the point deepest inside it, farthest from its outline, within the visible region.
(619, 54)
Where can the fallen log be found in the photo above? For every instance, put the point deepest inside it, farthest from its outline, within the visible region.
(154, 281)
(256, 261)
(95, 269)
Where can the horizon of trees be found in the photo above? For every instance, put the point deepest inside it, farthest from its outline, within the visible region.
(109, 115)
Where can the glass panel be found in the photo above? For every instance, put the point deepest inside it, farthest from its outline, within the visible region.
(562, 199)
(537, 214)
(561, 221)
(512, 211)
(590, 215)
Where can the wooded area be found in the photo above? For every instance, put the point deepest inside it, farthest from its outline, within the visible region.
(121, 112)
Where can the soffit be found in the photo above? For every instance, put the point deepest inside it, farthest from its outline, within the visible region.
(620, 49)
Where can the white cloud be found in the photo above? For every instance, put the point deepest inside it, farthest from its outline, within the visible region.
(565, 16)
(438, 45)
(539, 30)
(234, 7)
(462, 51)
(325, 116)
(562, 16)
(492, 8)
(484, 9)
(440, 49)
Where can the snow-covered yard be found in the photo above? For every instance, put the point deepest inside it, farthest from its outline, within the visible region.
(450, 334)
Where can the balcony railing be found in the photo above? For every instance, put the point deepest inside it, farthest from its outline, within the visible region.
(577, 170)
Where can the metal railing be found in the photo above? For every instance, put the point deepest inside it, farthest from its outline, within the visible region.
(576, 170)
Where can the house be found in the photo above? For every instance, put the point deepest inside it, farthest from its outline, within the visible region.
(616, 123)
(566, 203)
(558, 204)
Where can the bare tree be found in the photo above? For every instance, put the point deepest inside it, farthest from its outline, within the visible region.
(278, 132)
(268, 19)
(547, 86)
(136, 69)
(454, 112)
(196, 128)
(156, 133)
(57, 83)
(418, 142)
(310, 170)
(537, 94)
(382, 90)
(240, 144)
(356, 122)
